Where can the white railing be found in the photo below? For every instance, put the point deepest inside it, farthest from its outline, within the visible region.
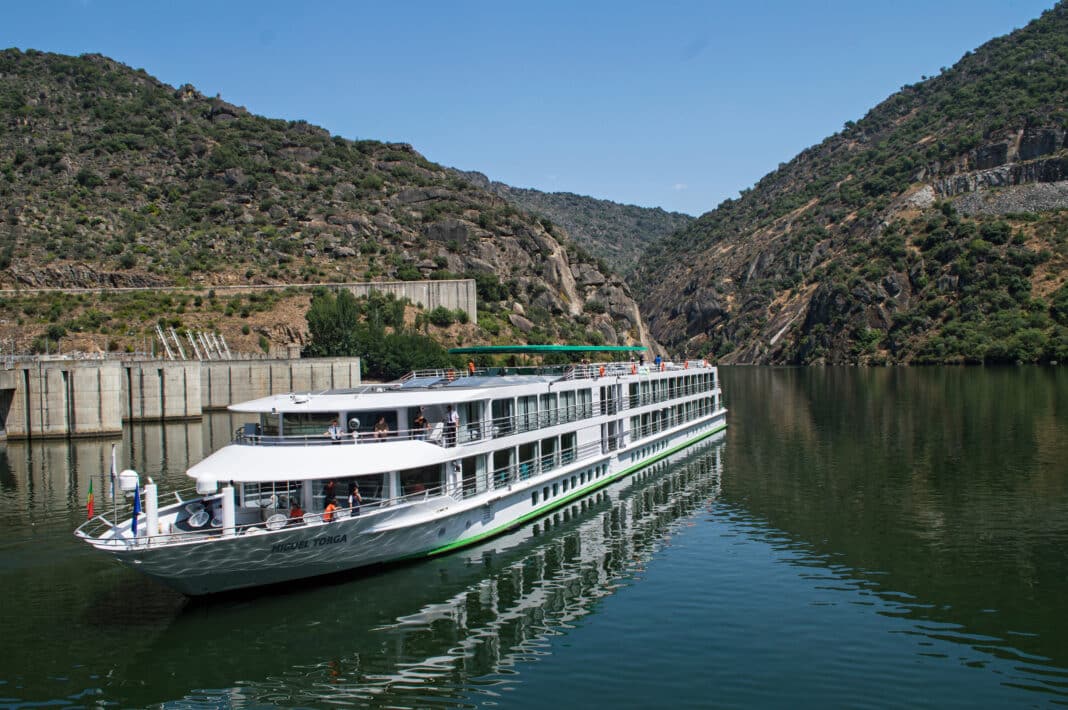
(95, 528)
(474, 432)
(497, 478)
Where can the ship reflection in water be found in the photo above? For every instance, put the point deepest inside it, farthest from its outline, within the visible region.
(429, 632)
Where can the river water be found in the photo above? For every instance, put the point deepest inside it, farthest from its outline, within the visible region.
(857, 538)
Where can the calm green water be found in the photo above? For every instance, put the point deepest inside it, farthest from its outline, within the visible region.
(859, 538)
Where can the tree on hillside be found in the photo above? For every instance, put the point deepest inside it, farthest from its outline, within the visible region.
(337, 328)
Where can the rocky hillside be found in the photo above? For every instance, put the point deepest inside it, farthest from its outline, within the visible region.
(934, 229)
(110, 178)
(617, 234)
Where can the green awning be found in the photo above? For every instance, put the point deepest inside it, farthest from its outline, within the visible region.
(533, 349)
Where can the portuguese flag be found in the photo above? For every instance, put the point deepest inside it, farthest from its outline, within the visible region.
(89, 503)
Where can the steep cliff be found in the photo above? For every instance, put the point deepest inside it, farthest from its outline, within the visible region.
(932, 230)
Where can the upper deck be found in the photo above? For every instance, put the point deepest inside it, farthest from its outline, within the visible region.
(303, 419)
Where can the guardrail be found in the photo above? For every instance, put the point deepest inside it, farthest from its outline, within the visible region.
(474, 432)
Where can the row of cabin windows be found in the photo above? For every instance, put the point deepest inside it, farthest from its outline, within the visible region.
(659, 390)
(278, 494)
(649, 450)
(508, 416)
(530, 412)
(517, 463)
(573, 483)
(644, 425)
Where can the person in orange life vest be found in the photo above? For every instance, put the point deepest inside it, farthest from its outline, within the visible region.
(328, 512)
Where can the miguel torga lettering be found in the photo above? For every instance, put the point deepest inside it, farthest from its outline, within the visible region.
(305, 544)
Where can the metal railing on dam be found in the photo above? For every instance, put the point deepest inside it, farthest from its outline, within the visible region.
(71, 397)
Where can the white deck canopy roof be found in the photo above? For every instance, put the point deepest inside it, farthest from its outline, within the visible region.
(255, 464)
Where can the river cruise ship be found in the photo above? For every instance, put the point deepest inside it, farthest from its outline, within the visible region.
(325, 482)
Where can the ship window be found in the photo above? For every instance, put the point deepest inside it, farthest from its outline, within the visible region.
(574, 481)
(584, 398)
(528, 459)
(503, 462)
(545, 493)
(307, 423)
(527, 413)
(470, 421)
(364, 422)
(534, 498)
(276, 494)
(555, 489)
(270, 424)
(568, 411)
(549, 414)
(419, 480)
(568, 448)
(548, 454)
(503, 423)
(470, 470)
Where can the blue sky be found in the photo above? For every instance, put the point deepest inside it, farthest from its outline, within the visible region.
(672, 104)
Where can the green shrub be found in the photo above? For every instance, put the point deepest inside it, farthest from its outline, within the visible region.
(442, 317)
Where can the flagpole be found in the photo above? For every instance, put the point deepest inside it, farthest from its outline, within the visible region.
(114, 497)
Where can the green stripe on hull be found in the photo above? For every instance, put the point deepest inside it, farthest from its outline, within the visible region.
(566, 499)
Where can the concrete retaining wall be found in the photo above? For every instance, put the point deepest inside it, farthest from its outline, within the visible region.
(61, 398)
(459, 294)
(161, 389)
(224, 383)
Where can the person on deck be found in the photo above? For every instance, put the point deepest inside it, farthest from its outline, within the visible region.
(334, 431)
(381, 428)
(471, 367)
(295, 511)
(355, 498)
(328, 511)
(452, 425)
(420, 425)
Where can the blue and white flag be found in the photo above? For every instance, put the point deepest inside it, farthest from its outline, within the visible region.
(137, 507)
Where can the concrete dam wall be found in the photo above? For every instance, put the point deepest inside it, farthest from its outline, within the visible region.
(72, 398)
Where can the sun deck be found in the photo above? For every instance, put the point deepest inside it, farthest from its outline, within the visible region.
(432, 391)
